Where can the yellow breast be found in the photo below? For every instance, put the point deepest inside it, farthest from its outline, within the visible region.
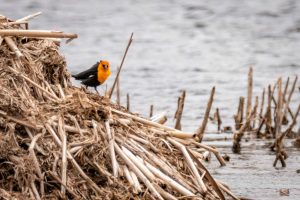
(102, 74)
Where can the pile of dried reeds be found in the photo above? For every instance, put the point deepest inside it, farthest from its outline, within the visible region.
(60, 141)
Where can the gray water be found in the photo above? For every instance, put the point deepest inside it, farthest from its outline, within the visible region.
(191, 45)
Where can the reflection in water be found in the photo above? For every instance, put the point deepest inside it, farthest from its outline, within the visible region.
(192, 45)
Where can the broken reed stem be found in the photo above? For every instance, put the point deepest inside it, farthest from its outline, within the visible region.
(168, 180)
(1, 40)
(237, 136)
(278, 143)
(254, 117)
(128, 102)
(136, 170)
(279, 109)
(111, 149)
(179, 110)
(262, 104)
(249, 93)
(170, 131)
(240, 114)
(36, 163)
(28, 17)
(120, 68)
(160, 118)
(64, 166)
(200, 131)
(36, 33)
(227, 191)
(139, 164)
(166, 168)
(73, 161)
(129, 178)
(11, 44)
(191, 165)
(35, 191)
(213, 150)
(286, 105)
(151, 111)
(219, 121)
(294, 122)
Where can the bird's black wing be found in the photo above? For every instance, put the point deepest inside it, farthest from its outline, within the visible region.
(85, 74)
(91, 81)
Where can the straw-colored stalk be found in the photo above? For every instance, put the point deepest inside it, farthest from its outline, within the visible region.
(128, 102)
(191, 165)
(240, 114)
(34, 190)
(179, 110)
(129, 179)
(249, 93)
(111, 149)
(222, 187)
(121, 65)
(169, 181)
(136, 170)
(73, 161)
(177, 134)
(28, 17)
(254, 116)
(36, 33)
(160, 118)
(139, 164)
(165, 167)
(1, 40)
(200, 131)
(164, 194)
(64, 160)
(151, 111)
(173, 132)
(35, 161)
(13, 46)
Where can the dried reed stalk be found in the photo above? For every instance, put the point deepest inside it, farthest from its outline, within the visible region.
(200, 131)
(191, 165)
(13, 46)
(240, 114)
(120, 68)
(151, 111)
(179, 110)
(112, 149)
(36, 33)
(249, 93)
(127, 102)
(28, 17)
(137, 172)
(62, 133)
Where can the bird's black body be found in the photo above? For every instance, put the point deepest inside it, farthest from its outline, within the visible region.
(94, 76)
(89, 77)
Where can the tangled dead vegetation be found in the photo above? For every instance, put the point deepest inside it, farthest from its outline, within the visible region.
(58, 141)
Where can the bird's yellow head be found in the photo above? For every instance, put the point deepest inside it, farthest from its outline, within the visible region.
(104, 64)
(103, 71)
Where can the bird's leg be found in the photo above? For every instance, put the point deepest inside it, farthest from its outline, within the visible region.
(96, 90)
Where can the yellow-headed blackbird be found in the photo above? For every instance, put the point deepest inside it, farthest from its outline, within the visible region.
(94, 76)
